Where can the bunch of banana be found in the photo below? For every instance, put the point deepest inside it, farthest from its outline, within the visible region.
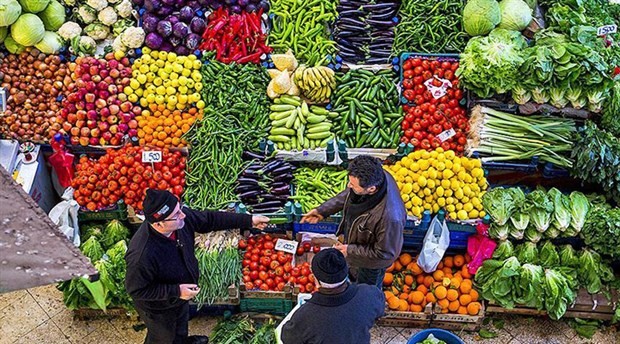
(315, 83)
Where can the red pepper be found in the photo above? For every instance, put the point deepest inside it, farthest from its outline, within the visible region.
(250, 58)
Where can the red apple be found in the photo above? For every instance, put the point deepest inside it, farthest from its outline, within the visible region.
(85, 132)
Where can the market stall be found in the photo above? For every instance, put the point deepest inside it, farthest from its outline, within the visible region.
(499, 121)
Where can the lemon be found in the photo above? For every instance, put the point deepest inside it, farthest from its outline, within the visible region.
(477, 173)
(430, 183)
(435, 208)
(415, 187)
(456, 167)
(459, 206)
(441, 166)
(468, 207)
(427, 206)
(432, 173)
(429, 199)
(422, 181)
(417, 155)
(132, 98)
(445, 183)
(441, 201)
(450, 208)
(473, 214)
(467, 190)
(475, 201)
(415, 167)
(427, 192)
(448, 164)
(448, 192)
(407, 188)
(447, 174)
(440, 191)
(450, 200)
(458, 193)
(408, 205)
(454, 184)
(128, 90)
(405, 197)
(462, 215)
(425, 155)
(434, 154)
(452, 215)
(482, 214)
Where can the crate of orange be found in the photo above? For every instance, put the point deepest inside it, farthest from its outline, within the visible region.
(449, 290)
(159, 126)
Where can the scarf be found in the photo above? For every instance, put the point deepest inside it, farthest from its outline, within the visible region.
(359, 204)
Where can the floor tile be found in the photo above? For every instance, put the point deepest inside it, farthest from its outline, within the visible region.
(409, 332)
(399, 339)
(49, 298)
(9, 298)
(382, 335)
(20, 317)
(103, 335)
(126, 328)
(74, 329)
(47, 332)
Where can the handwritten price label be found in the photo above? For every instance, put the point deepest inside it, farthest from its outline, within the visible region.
(287, 246)
(607, 29)
(151, 156)
(446, 135)
(437, 91)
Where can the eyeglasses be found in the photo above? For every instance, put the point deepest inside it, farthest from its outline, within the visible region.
(176, 218)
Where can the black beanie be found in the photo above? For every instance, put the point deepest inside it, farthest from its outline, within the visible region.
(158, 204)
(330, 266)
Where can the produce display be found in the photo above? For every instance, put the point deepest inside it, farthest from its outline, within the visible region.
(315, 83)
(32, 97)
(364, 33)
(434, 116)
(315, 186)
(537, 215)
(265, 186)
(235, 37)
(105, 245)
(242, 329)
(430, 27)
(440, 180)
(121, 174)
(368, 108)
(165, 128)
(302, 27)
(509, 137)
(601, 229)
(408, 288)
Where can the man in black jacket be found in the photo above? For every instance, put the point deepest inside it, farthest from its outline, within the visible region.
(339, 312)
(373, 219)
(162, 270)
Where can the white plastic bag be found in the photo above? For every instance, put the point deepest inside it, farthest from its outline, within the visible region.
(435, 244)
(65, 216)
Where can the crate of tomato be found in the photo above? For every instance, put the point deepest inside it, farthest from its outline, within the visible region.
(435, 115)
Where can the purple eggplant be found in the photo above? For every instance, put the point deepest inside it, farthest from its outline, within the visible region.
(283, 177)
(192, 41)
(195, 4)
(251, 156)
(180, 30)
(186, 14)
(284, 190)
(249, 194)
(243, 3)
(269, 204)
(251, 8)
(153, 41)
(264, 4)
(164, 28)
(151, 5)
(197, 25)
(168, 2)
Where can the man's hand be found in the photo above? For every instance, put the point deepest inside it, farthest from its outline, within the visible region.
(342, 248)
(312, 217)
(188, 291)
(259, 221)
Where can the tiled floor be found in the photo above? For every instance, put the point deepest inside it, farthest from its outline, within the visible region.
(38, 316)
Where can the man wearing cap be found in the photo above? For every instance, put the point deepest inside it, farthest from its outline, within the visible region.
(162, 270)
(340, 312)
(373, 219)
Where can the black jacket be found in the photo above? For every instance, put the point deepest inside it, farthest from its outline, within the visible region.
(336, 319)
(156, 265)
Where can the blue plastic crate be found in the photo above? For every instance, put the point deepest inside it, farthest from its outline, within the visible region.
(519, 166)
(551, 171)
(327, 226)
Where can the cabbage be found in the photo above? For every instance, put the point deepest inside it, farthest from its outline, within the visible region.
(50, 44)
(28, 30)
(481, 16)
(516, 15)
(9, 12)
(53, 16)
(12, 46)
(3, 32)
(34, 6)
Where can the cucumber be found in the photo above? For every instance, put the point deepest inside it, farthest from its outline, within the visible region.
(282, 107)
(275, 116)
(291, 119)
(319, 136)
(318, 110)
(312, 119)
(290, 100)
(282, 131)
(319, 128)
(279, 138)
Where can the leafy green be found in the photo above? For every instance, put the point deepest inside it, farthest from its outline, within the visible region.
(568, 256)
(516, 15)
(500, 284)
(558, 293)
(579, 208)
(114, 232)
(520, 217)
(549, 257)
(542, 208)
(610, 120)
(530, 286)
(533, 235)
(92, 249)
(481, 16)
(499, 203)
(561, 209)
(504, 250)
(585, 328)
(588, 271)
(499, 232)
(486, 334)
(527, 253)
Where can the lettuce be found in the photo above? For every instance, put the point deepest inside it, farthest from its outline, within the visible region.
(568, 256)
(579, 207)
(527, 253)
(541, 211)
(92, 249)
(561, 209)
(114, 232)
(499, 232)
(531, 234)
(530, 286)
(558, 293)
(504, 250)
(499, 204)
(589, 266)
(549, 257)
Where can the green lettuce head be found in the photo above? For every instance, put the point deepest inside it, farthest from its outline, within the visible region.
(515, 15)
(481, 16)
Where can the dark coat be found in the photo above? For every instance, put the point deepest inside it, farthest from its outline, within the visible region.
(156, 265)
(336, 319)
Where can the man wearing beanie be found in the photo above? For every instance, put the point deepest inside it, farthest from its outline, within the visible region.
(373, 219)
(340, 312)
(162, 270)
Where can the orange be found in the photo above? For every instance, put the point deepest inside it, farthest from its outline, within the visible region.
(388, 279)
(417, 297)
(465, 287)
(403, 296)
(405, 259)
(415, 268)
(403, 306)
(459, 260)
(441, 292)
(447, 271)
(431, 298)
(406, 289)
(443, 304)
(474, 295)
(395, 291)
(448, 262)
(440, 266)
(467, 258)
(452, 295)
(420, 279)
(462, 310)
(393, 302)
(397, 266)
(455, 283)
(473, 308)
(465, 272)
(388, 294)
(409, 280)
(454, 306)
(438, 275)
(436, 284)
(428, 281)
(390, 269)
(465, 299)
(416, 308)
(422, 288)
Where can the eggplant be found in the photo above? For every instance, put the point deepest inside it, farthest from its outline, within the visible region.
(251, 175)
(350, 21)
(244, 180)
(269, 204)
(288, 168)
(273, 165)
(271, 210)
(284, 190)
(250, 194)
(380, 22)
(281, 198)
(279, 184)
(252, 156)
(283, 177)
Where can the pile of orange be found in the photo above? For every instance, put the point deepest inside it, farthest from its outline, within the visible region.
(408, 288)
(161, 127)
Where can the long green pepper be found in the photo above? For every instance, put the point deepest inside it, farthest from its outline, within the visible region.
(315, 186)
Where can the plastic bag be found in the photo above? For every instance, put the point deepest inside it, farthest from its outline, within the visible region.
(480, 248)
(435, 244)
(65, 216)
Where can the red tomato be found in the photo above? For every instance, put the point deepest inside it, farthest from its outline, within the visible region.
(305, 271)
(405, 125)
(249, 285)
(409, 117)
(288, 267)
(302, 280)
(279, 271)
(274, 264)
(265, 261)
(263, 275)
(409, 95)
(253, 266)
(408, 84)
(407, 64)
(300, 251)
(407, 74)
(242, 244)
(280, 286)
(307, 246)
(270, 282)
(309, 287)
(316, 249)
(246, 262)
(416, 62)
(418, 80)
(409, 133)
(264, 287)
(295, 272)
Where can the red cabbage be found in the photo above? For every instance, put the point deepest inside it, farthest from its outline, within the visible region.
(165, 11)
(173, 19)
(153, 41)
(194, 4)
(168, 2)
(151, 5)
(175, 40)
(149, 22)
(192, 41)
(244, 3)
(164, 28)
(197, 25)
(236, 9)
(186, 14)
(166, 46)
(180, 30)
(181, 50)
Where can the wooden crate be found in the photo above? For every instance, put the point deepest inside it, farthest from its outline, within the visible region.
(289, 293)
(406, 319)
(586, 306)
(457, 322)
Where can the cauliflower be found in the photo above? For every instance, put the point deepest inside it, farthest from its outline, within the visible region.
(120, 26)
(133, 37)
(97, 4)
(118, 45)
(107, 16)
(97, 31)
(83, 46)
(87, 14)
(124, 8)
(69, 30)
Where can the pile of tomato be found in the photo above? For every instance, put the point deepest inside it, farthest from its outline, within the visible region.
(266, 269)
(121, 174)
(426, 116)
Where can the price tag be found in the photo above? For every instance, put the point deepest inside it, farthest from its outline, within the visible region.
(607, 29)
(287, 246)
(151, 156)
(438, 91)
(446, 135)
(2, 99)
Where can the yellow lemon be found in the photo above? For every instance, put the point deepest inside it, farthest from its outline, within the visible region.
(422, 181)
(462, 215)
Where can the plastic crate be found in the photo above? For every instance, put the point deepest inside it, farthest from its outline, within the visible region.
(459, 234)
(270, 306)
(446, 336)
(439, 57)
(327, 226)
(550, 171)
(279, 222)
(119, 212)
(518, 166)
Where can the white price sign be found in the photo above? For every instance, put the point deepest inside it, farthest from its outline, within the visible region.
(287, 246)
(446, 135)
(607, 29)
(437, 91)
(2, 99)
(151, 156)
